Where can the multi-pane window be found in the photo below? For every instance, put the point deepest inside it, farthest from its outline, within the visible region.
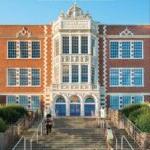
(75, 73)
(93, 74)
(35, 77)
(75, 45)
(65, 44)
(84, 73)
(137, 50)
(65, 74)
(84, 44)
(125, 49)
(114, 77)
(24, 49)
(35, 102)
(23, 76)
(21, 49)
(92, 46)
(122, 49)
(11, 100)
(35, 49)
(11, 49)
(114, 102)
(23, 100)
(12, 77)
(114, 49)
(119, 102)
(126, 77)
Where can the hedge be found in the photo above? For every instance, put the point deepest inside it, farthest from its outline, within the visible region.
(3, 125)
(140, 115)
(10, 114)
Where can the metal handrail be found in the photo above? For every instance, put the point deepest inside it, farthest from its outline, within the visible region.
(40, 126)
(19, 142)
(123, 137)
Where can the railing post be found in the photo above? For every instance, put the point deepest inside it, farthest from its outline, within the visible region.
(41, 129)
(31, 144)
(122, 143)
(24, 143)
(37, 136)
(116, 143)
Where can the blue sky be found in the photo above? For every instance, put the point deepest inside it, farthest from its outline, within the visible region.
(45, 11)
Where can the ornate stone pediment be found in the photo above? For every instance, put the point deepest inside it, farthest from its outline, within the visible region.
(23, 33)
(126, 32)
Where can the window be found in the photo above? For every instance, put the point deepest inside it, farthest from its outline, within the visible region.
(23, 49)
(35, 49)
(12, 77)
(114, 49)
(11, 100)
(114, 102)
(126, 49)
(35, 77)
(12, 49)
(120, 101)
(84, 44)
(137, 78)
(126, 77)
(65, 73)
(126, 100)
(35, 100)
(92, 47)
(65, 45)
(23, 76)
(23, 100)
(74, 73)
(114, 77)
(93, 74)
(137, 50)
(74, 45)
(84, 73)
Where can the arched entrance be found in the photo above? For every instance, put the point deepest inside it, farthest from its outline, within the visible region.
(89, 106)
(60, 106)
(75, 109)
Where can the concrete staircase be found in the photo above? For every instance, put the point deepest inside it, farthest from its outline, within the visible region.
(76, 134)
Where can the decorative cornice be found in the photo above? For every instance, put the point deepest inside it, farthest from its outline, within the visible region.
(23, 33)
(126, 32)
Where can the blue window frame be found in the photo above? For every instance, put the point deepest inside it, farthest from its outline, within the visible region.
(35, 100)
(11, 49)
(65, 73)
(23, 100)
(84, 73)
(11, 100)
(126, 100)
(23, 49)
(75, 45)
(138, 99)
(35, 77)
(125, 49)
(35, 49)
(114, 49)
(114, 102)
(23, 76)
(12, 77)
(65, 44)
(138, 49)
(84, 44)
(114, 77)
(138, 77)
(126, 78)
(75, 75)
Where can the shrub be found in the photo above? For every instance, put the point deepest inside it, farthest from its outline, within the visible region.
(3, 125)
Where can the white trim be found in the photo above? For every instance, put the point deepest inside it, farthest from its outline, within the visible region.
(131, 57)
(131, 85)
(28, 58)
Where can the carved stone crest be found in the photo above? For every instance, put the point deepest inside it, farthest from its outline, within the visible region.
(23, 33)
(126, 32)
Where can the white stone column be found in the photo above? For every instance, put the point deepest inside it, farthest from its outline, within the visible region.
(97, 108)
(82, 107)
(53, 109)
(67, 107)
(70, 73)
(89, 44)
(60, 65)
(79, 73)
(70, 44)
(79, 46)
